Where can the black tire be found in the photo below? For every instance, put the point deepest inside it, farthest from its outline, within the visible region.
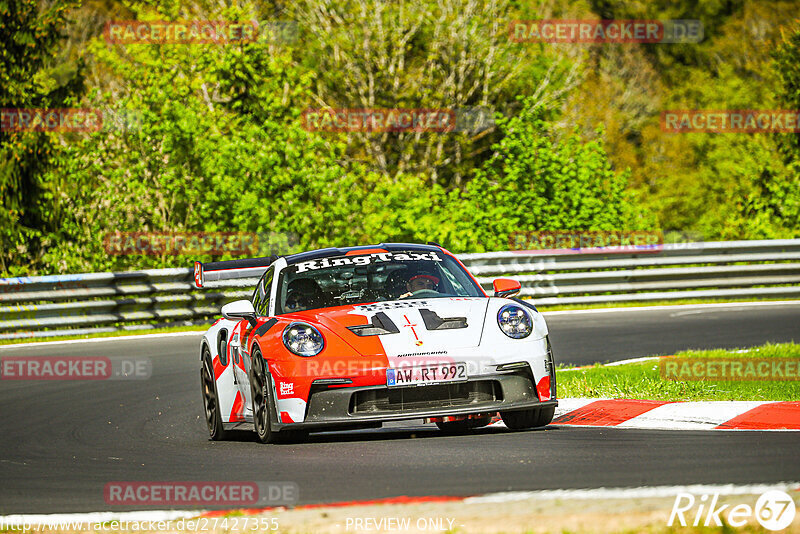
(522, 419)
(464, 425)
(210, 399)
(264, 407)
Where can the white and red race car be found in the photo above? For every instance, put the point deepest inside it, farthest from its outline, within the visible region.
(354, 337)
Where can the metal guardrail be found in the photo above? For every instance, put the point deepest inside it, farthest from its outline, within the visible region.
(106, 302)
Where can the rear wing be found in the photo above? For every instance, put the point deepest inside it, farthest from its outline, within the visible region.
(230, 270)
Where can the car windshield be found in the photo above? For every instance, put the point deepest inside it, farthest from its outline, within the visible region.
(374, 277)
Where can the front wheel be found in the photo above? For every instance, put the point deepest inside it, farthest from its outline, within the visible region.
(263, 407)
(522, 419)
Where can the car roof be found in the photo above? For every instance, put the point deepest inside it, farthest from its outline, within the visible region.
(333, 251)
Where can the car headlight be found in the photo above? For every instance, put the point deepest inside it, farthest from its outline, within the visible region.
(303, 339)
(514, 321)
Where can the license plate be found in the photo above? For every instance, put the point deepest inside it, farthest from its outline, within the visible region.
(426, 375)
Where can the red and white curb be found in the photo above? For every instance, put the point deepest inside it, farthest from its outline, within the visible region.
(75, 521)
(661, 415)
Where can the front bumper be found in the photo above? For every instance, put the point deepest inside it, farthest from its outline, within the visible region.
(347, 406)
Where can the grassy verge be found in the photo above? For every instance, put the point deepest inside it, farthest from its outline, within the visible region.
(560, 307)
(118, 333)
(644, 381)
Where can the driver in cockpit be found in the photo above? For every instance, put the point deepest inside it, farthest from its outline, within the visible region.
(419, 281)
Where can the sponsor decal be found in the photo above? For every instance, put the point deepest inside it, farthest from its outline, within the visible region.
(286, 388)
(412, 326)
(381, 306)
(376, 257)
(431, 353)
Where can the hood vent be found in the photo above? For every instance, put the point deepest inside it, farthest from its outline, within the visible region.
(381, 324)
(434, 322)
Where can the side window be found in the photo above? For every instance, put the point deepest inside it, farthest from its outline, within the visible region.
(258, 295)
(261, 294)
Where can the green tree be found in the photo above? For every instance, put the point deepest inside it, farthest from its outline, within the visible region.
(787, 68)
(535, 182)
(425, 54)
(29, 78)
(216, 145)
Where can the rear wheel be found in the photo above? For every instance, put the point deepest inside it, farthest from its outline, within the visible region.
(264, 407)
(522, 419)
(464, 425)
(210, 399)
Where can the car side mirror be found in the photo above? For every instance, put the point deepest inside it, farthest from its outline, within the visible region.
(238, 310)
(506, 287)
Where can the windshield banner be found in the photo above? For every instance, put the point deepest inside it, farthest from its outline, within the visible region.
(375, 257)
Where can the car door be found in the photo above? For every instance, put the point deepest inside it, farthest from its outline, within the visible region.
(260, 301)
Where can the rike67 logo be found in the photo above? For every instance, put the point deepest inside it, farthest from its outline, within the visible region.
(774, 510)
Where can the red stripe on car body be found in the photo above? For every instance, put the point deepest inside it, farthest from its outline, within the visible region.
(218, 367)
(543, 388)
(236, 411)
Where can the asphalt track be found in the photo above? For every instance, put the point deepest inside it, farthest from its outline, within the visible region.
(63, 441)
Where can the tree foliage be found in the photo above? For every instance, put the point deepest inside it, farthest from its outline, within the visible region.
(29, 78)
(210, 137)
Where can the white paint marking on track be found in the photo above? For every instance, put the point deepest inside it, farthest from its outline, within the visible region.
(632, 493)
(612, 364)
(676, 307)
(701, 415)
